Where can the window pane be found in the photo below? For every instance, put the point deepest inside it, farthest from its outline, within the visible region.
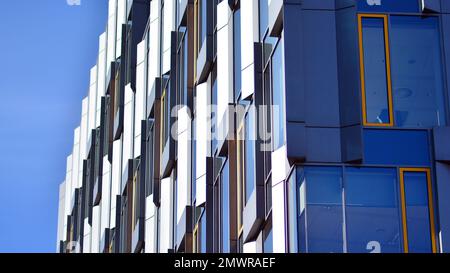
(225, 209)
(372, 211)
(417, 212)
(324, 211)
(249, 154)
(237, 53)
(278, 96)
(417, 71)
(268, 241)
(263, 17)
(375, 78)
(202, 20)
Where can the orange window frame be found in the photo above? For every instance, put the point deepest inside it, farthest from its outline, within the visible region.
(430, 206)
(388, 70)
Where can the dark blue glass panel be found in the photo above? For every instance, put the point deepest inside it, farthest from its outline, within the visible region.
(417, 78)
(225, 208)
(375, 77)
(237, 52)
(249, 154)
(263, 17)
(324, 211)
(372, 210)
(203, 234)
(396, 147)
(203, 21)
(278, 97)
(417, 212)
(388, 5)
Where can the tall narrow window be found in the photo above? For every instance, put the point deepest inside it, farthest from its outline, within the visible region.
(249, 148)
(240, 179)
(278, 97)
(225, 208)
(375, 70)
(417, 211)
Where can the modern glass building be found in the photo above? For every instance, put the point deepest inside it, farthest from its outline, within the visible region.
(264, 126)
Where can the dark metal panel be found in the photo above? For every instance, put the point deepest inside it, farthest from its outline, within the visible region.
(296, 141)
(323, 145)
(442, 144)
(352, 144)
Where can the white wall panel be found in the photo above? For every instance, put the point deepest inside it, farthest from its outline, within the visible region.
(128, 125)
(154, 46)
(61, 213)
(249, 35)
(101, 76)
(184, 161)
(250, 247)
(92, 110)
(68, 193)
(121, 19)
(140, 94)
(116, 179)
(95, 232)
(87, 237)
(166, 205)
(169, 26)
(150, 217)
(106, 196)
(111, 34)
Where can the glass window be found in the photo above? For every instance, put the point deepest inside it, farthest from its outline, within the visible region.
(417, 78)
(149, 161)
(250, 142)
(375, 74)
(278, 97)
(419, 231)
(240, 178)
(263, 17)
(237, 52)
(321, 214)
(268, 237)
(202, 28)
(372, 211)
(225, 207)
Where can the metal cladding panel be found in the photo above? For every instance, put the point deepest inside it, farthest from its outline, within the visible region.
(431, 6)
(121, 19)
(62, 233)
(128, 128)
(165, 216)
(116, 174)
(251, 247)
(150, 216)
(153, 54)
(106, 195)
(279, 217)
(321, 73)
(203, 125)
(101, 76)
(445, 6)
(169, 26)
(249, 36)
(224, 58)
(95, 232)
(442, 144)
(111, 34)
(184, 162)
(87, 236)
(443, 197)
(84, 130)
(92, 111)
(445, 23)
(140, 100)
(324, 145)
(68, 188)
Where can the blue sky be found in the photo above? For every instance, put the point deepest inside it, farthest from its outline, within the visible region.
(47, 49)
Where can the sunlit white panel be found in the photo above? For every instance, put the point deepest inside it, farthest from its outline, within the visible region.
(111, 40)
(184, 161)
(140, 94)
(165, 222)
(121, 19)
(95, 232)
(68, 189)
(154, 56)
(150, 225)
(87, 237)
(280, 165)
(169, 26)
(61, 214)
(250, 247)
(84, 130)
(127, 129)
(203, 132)
(92, 111)
(106, 199)
(116, 178)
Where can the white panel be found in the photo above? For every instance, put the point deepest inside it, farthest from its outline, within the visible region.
(249, 35)
(150, 225)
(106, 198)
(111, 33)
(116, 178)
(154, 47)
(200, 190)
(169, 26)
(87, 237)
(280, 165)
(121, 19)
(278, 218)
(101, 76)
(140, 94)
(224, 64)
(203, 132)
(95, 232)
(250, 247)
(84, 130)
(165, 221)
(184, 161)
(61, 215)
(68, 189)
(127, 129)
(92, 101)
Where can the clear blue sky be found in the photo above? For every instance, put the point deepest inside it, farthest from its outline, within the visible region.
(47, 49)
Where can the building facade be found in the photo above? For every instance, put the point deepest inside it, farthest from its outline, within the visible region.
(264, 126)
